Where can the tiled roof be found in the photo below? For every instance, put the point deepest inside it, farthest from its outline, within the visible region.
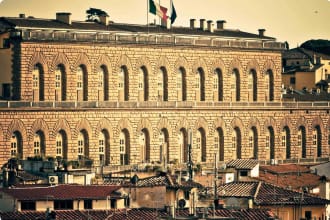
(285, 169)
(29, 22)
(246, 164)
(59, 192)
(140, 214)
(268, 194)
(302, 53)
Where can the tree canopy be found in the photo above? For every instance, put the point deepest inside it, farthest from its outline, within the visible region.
(93, 14)
(320, 46)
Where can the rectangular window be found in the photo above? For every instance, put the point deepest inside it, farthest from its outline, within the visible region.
(6, 90)
(88, 204)
(63, 204)
(244, 173)
(28, 205)
(6, 43)
(293, 80)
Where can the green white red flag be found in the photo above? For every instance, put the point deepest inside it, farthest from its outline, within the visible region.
(157, 9)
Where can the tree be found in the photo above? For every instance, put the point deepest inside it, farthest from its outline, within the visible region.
(93, 14)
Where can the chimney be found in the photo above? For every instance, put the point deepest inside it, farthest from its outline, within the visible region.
(104, 19)
(22, 15)
(203, 24)
(221, 24)
(210, 26)
(193, 24)
(261, 32)
(64, 17)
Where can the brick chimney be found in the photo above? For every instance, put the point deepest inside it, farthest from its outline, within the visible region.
(210, 26)
(203, 24)
(64, 17)
(221, 24)
(261, 32)
(193, 23)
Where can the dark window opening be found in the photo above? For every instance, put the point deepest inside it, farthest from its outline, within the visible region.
(88, 204)
(244, 173)
(28, 205)
(63, 204)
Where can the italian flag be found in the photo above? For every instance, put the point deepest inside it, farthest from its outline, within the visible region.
(157, 9)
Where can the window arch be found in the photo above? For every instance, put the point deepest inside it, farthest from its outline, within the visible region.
(270, 84)
(253, 141)
(145, 146)
(236, 85)
(218, 84)
(82, 83)
(16, 145)
(38, 83)
(219, 142)
(104, 147)
(39, 145)
(286, 142)
(164, 145)
(162, 84)
(103, 83)
(124, 147)
(123, 84)
(200, 84)
(83, 144)
(201, 144)
(60, 83)
(302, 141)
(317, 140)
(253, 85)
(144, 84)
(237, 142)
(270, 141)
(61, 145)
(183, 145)
(182, 85)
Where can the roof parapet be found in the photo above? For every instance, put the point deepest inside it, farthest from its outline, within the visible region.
(64, 17)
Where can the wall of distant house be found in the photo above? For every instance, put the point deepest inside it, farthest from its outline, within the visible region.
(297, 212)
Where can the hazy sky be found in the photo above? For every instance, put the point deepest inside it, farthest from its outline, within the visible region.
(294, 21)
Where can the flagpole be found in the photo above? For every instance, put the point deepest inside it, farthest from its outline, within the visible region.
(148, 16)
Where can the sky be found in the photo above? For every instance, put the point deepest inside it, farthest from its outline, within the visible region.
(294, 21)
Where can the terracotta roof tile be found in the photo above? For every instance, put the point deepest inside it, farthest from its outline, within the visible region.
(285, 168)
(242, 164)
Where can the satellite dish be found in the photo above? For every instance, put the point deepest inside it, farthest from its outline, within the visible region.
(182, 203)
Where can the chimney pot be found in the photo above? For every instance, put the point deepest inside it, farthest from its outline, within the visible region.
(64, 17)
(104, 19)
(21, 15)
(210, 26)
(221, 24)
(193, 23)
(203, 24)
(261, 32)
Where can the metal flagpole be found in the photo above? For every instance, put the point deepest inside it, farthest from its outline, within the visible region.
(148, 16)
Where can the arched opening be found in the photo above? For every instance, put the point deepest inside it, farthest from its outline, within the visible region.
(144, 83)
(253, 86)
(286, 142)
(60, 83)
(103, 83)
(270, 84)
(61, 145)
(302, 141)
(39, 144)
(201, 83)
(162, 84)
(218, 84)
(123, 84)
(38, 83)
(124, 147)
(182, 85)
(317, 140)
(83, 145)
(183, 145)
(104, 147)
(237, 142)
(236, 85)
(145, 146)
(164, 145)
(253, 142)
(16, 145)
(270, 142)
(201, 144)
(220, 143)
(82, 83)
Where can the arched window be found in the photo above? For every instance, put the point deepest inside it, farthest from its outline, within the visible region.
(83, 145)
(201, 144)
(252, 86)
(104, 147)
(82, 83)
(200, 80)
(162, 84)
(124, 147)
(236, 85)
(164, 145)
(38, 83)
(103, 83)
(39, 144)
(60, 83)
(286, 141)
(270, 142)
(61, 144)
(16, 145)
(183, 145)
(218, 84)
(143, 84)
(182, 85)
(123, 84)
(317, 140)
(145, 146)
(219, 144)
(270, 84)
(237, 142)
(302, 141)
(253, 141)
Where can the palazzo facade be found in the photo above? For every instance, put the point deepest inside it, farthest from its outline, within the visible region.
(122, 94)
